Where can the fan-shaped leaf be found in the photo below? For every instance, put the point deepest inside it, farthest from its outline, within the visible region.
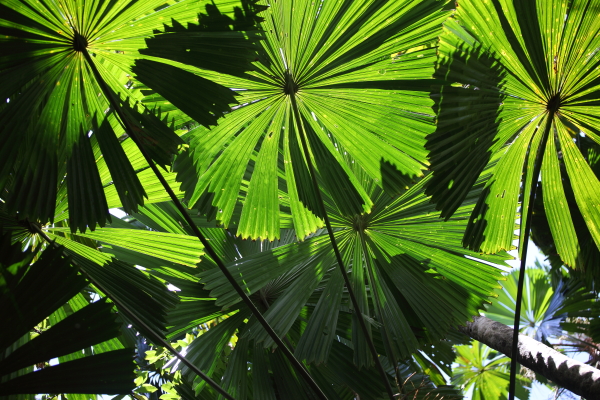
(355, 71)
(516, 71)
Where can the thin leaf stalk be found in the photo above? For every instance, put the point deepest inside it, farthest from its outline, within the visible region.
(378, 302)
(336, 250)
(537, 167)
(300, 368)
(156, 337)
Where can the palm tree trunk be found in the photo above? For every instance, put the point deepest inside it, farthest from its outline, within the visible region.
(575, 376)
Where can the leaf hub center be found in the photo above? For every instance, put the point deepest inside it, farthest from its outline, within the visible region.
(80, 43)
(30, 225)
(289, 86)
(554, 103)
(360, 222)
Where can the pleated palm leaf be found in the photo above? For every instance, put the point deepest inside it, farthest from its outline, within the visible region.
(165, 251)
(560, 314)
(522, 83)
(331, 78)
(411, 255)
(544, 312)
(543, 307)
(34, 287)
(483, 373)
(66, 74)
(407, 267)
(143, 299)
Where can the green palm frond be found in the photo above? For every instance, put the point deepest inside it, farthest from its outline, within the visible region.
(483, 371)
(408, 269)
(524, 83)
(358, 72)
(60, 114)
(536, 301)
(146, 296)
(139, 289)
(544, 307)
(30, 293)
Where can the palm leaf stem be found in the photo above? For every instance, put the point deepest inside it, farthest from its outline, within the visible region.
(375, 294)
(207, 247)
(210, 251)
(153, 335)
(336, 250)
(523, 251)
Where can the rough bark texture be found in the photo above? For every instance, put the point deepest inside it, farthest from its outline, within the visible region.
(577, 377)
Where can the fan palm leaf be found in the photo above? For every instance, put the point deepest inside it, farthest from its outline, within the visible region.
(397, 253)
(118, 279)
(344, 77)
(524, 84)
(543, 309)
(141, 296)
(30, 293)
(484, 373)
(60, 114)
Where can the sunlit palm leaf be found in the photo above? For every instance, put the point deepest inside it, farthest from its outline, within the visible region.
(168, 253)
(419, 282)
(30, 292)
(144, 296)
(520, 69)
(355, 69)
(482, 372)
(181, 249)
(544, 308)
(540, 303)
(59, 119)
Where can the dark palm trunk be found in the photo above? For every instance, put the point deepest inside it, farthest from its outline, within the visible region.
(575, 376)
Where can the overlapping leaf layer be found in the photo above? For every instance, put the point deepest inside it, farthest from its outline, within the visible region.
(62, 140)
(407, 267)
(351, 79)
(525, 81)
(358, 72)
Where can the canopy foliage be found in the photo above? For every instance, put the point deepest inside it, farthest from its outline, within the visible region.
(355, 170)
